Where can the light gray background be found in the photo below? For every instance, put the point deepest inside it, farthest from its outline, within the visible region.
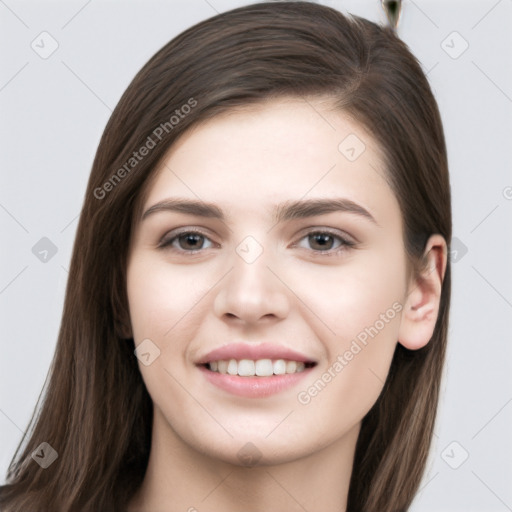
(53, 111)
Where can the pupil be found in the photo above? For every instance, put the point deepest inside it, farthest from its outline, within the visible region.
(323, 240)
(192, 239)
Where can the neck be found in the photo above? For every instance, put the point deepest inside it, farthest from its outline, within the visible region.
(179, 478)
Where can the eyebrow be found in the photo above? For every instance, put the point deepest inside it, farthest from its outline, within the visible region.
(288, 210)
(190, 206)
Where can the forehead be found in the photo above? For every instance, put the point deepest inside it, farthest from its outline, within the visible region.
(282, 149)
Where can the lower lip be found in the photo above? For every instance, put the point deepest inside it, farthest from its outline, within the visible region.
(254, 387)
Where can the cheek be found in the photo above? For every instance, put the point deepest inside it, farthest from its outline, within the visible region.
(167, 305)
(160, 297)
(163, 303)
(361, 304)
(353, 296)
(359, 359)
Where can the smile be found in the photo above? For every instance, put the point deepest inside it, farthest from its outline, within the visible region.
(260, 367)
(254, 370)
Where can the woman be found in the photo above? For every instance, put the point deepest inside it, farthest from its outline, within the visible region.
(257, 307)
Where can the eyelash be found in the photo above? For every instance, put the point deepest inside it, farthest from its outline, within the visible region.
(344, 242)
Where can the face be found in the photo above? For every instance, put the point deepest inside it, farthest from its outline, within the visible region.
(266, 282)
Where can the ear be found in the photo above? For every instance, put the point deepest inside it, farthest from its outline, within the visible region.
(421, 307)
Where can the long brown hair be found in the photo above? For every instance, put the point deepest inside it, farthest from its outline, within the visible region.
(95, 410)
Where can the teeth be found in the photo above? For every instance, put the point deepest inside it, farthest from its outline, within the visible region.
(232, 367)
(291, 366)
(264, 368)
(222, 366)
(261, 367)
(279, 367)
(245, 367)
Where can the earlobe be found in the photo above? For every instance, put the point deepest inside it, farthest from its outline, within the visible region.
(422, 302)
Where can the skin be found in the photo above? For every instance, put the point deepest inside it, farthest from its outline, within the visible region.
(246, 162)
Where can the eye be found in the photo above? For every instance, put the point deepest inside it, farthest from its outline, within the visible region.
(187, 241)
(325, 242)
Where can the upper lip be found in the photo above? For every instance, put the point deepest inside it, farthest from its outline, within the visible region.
(250, 351)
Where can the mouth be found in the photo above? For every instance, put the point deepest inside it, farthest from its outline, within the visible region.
(257, 368)
(254, 371)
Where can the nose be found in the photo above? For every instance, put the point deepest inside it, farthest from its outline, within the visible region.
(252, 293)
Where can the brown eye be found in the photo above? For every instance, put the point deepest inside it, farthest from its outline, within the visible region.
(325, 242)
(321, 241)
(190, 241)
(186, 241)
